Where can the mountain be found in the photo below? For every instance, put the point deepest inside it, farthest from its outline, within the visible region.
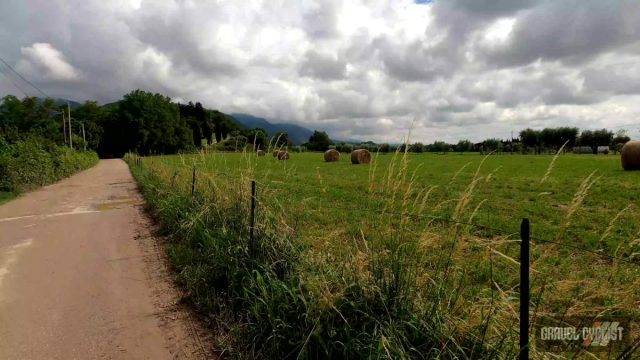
(297, 133)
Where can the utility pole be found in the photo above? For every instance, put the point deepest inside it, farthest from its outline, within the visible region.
(64, 128)
(84, 139)
(70, 131)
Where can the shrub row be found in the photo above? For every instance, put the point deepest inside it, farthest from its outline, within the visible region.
(30, 163)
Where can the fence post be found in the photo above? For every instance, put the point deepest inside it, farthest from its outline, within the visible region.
(193, 181)
(524, 289)
(252, 244)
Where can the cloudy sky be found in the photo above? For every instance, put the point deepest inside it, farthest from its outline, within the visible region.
(449, 69)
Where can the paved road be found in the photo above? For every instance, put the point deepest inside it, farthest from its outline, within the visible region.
(80, 276)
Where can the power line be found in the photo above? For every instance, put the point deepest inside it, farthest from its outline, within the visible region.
(22, 77)
(13, 82)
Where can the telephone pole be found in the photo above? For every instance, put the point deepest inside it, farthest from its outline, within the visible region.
(70, 131)
(64, 128)
(84, 139)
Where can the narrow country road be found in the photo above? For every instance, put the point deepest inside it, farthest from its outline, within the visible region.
(81, 277)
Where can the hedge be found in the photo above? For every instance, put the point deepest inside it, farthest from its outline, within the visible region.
(31, 163)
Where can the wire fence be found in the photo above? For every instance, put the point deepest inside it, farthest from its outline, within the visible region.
(435, 218)
(524, 238)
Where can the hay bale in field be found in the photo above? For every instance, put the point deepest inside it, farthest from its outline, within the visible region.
(260, 153)
(331, 155)
(360, 156)
(282, 155)
(630, 155)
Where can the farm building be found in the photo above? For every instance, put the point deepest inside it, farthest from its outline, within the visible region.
(582, 150)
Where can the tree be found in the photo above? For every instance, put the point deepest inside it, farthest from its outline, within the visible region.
(492, 145)
(256, 137)
(30, 117)
(530, 139)
(619, 140)
(439, 146)
(94, 118)
(464, 146)
(595, 138)
(319, 141)
(568, 135)
(281, 140)
(223, 124)
(148, 124)
(416, 147)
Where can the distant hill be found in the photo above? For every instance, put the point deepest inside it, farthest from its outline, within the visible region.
(112, 105)
(60, 102)
(297, 133)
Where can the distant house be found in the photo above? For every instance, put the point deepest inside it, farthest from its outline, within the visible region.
(603, 150)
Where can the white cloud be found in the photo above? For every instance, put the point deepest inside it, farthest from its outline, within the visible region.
(43, 60)
(357, 68)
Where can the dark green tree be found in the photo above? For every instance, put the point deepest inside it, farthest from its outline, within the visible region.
(257, 138)
(147, 124)
(464, 146)
(30, 117)
(417, 147)
(492, 145)
(281, 140)
(530, 139)
(319, 141)
(595, 138)
(94, 118)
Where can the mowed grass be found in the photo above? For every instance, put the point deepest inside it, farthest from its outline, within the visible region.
(320, 194)
(429, 232)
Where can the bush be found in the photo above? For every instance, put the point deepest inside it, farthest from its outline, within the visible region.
(28, 164)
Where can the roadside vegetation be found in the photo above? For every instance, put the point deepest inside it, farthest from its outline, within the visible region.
(31, 163)
(358, 261)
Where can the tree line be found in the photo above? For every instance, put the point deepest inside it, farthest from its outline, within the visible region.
(150, 123)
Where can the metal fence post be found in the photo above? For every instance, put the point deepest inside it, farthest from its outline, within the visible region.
(193, 181)
(524, 289)
(252, 244)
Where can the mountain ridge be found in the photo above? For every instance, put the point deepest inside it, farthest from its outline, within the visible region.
(297, 134)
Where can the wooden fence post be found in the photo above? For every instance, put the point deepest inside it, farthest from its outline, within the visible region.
(193, 181)
(524, 289)
(252, 244)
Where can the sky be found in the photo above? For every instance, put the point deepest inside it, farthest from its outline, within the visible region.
(358, 69)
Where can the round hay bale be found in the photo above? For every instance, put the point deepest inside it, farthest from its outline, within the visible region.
(282, 155)
(630, 155)
(260, 153)
(331, 155)
(360, 156)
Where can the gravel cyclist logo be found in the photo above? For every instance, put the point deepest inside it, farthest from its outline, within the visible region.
(603, 335)
(600, 334)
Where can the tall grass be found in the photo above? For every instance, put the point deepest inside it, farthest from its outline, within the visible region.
(393, 289)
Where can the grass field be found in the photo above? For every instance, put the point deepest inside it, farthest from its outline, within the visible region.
(408, 245)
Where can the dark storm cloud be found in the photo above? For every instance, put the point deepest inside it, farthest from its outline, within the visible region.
(571, 31)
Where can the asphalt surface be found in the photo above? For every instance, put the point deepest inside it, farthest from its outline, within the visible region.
(81, 276)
